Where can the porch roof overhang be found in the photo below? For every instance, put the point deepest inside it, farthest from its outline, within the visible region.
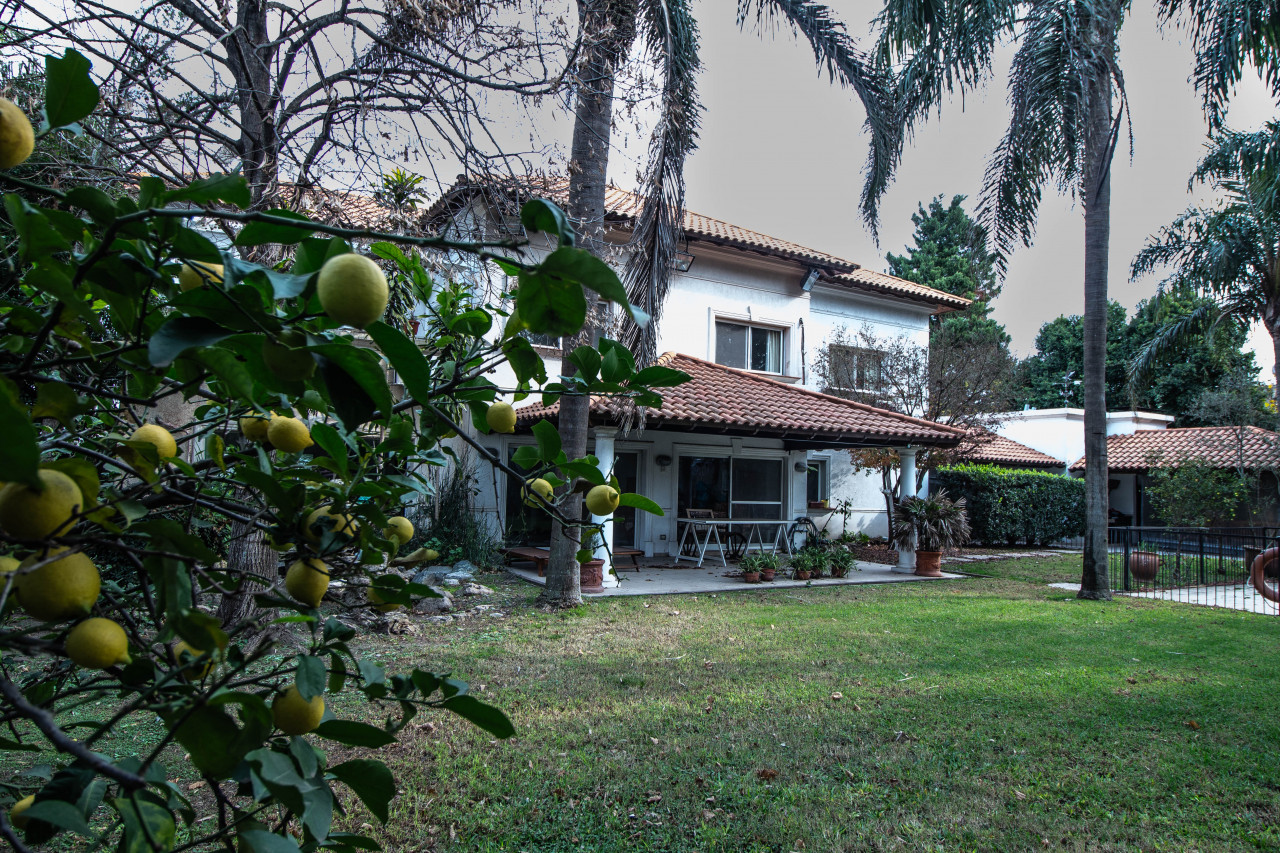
(719, 400)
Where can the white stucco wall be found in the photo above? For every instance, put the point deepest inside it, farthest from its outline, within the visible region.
(1060, 432)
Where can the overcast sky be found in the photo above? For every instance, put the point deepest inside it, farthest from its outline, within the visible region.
(782, 152)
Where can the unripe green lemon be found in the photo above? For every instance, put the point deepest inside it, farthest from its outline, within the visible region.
(193, 275)
(346, 526)
(27, 513)
(602, 500)
(66, 588)
(17, 137)
(399, 529)
(286, 359)
(295, 716)
(16, 814)
(352, 290)
(97, 644)
(288, 434)
(538, 487)
(501, 417)
(255, 428)
(307, 581)
(159, 438)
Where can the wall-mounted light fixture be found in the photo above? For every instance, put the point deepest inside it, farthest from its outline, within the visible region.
(682, 261)
(663, 460)
(801, 467)
(809, 279)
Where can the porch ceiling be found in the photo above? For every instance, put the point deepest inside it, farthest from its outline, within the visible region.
(721, 400)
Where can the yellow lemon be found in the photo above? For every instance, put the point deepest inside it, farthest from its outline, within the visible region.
(97, 644)
(255, 428)
(399, 529)
(184, 652)
(295, 716)
(27, 513)
(602, 500)
(352, 290)
(307, 580)
(159, 438)
(63, 589)
(7, 566)
(17, 815)
(538, 487)
(501, 418)
(286, 359)
(193, 275)
(345, 525)
(17, 137)
(288, 434)
(380, 603)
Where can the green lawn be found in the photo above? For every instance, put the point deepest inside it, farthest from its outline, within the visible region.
(984, 714)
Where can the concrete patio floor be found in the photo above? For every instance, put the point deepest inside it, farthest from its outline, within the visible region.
(658, 576)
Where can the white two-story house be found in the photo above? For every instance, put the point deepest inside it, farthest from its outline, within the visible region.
(751, 435)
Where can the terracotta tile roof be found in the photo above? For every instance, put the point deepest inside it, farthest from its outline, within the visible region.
(1221, 447)
(986, 447)
(621, 207)
(726, 400)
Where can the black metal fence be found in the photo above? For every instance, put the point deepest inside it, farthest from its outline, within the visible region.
(1196, 565)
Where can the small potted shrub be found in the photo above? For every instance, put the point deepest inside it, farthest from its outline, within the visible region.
(841, 562)
(767, 564)
(750, 566)
(807, 561)
(932, 524)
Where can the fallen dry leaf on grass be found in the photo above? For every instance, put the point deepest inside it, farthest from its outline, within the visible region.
(766, 774)
(837, 696)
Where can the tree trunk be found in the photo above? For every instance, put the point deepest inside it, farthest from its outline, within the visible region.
(250, 57)
(1274, 329)
(256, 565)
(608, 28)
(1097, 237)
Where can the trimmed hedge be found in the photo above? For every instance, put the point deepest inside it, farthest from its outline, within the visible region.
(1009, 506)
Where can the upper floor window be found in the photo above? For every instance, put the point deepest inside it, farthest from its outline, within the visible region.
(853, 371)
(749, 347)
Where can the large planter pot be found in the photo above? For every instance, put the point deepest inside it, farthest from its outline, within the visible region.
(1143, 565)
(751, 577)
(767, 575)
(929, 564)
(802, 576)
(592, 572)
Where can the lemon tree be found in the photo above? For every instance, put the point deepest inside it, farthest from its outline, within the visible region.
(157, 393)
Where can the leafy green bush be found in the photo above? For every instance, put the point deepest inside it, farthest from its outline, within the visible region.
(448, 522)
(1006, 507)
(1197, 494)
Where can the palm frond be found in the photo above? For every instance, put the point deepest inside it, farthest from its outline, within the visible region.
(837, 54)
(1171, 339)
(670, 37)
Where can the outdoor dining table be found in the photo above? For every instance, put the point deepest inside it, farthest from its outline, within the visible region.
(704, 530)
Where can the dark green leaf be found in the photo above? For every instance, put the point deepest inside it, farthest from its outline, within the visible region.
(485, 716)
(19, 452)
(58, 401)
(365, 369)
(526, 363)
(371, 781)
(351, 403)
(330, 441)
(548, 441)
(314, 251)
(310, 677)
(69, 93)
(525, 456)
(233, 189)
(584, 268)
(94, 202)
(180, 334)
(542, 216)
(631, 499)
(257, 232)
(409, 362)
(473, 323)
(265, 841)
(61, 814)
(657, 376)
(352, 733)
(148, 826)
(551, 305)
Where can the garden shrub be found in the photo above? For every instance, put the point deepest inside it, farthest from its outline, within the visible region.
(1007, 506)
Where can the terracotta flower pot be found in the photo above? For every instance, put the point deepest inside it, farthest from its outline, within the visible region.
(802, 576)
(1143, 565)
(767, 575)
(592, 573)
(751, 577)
(929, 564)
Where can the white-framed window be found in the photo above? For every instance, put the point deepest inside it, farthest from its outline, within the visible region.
(749, 347)
(819, 486)
(854, 371)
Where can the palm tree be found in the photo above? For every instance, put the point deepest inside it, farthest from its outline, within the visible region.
(668, 33)
(1067, 101)
(1227, 253)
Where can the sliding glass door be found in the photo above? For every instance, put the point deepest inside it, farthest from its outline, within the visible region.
(742, 487)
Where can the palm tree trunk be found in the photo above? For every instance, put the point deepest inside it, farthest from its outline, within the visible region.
(252, 560)
(1097, 239)
(608, 28)
(1274, 329)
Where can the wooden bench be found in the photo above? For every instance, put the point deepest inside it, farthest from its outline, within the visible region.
(541, 556)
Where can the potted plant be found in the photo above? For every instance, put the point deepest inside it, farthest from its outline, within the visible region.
(841, 562)
(764, 563)
(930, 525)
(750, 566)
(591, 570)
(806, 561)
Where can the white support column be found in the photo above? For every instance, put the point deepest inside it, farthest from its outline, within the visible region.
(907, 455)
(604, 548)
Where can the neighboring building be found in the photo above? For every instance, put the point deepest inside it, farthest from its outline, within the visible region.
(984, 447)
(1130, 458)
(751, 435)
(1059, 433)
